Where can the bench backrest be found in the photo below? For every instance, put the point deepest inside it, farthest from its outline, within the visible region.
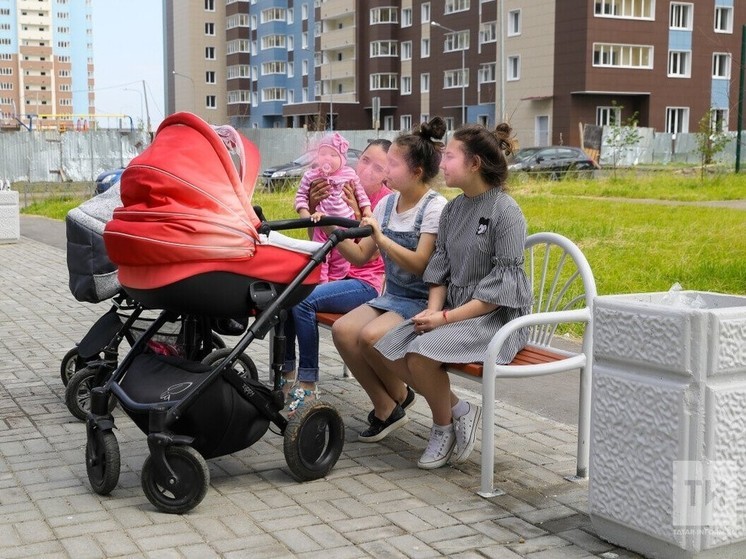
(561, 279)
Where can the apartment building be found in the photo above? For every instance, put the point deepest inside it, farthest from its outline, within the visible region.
(545, 67)
(668, 62)
(46, 63)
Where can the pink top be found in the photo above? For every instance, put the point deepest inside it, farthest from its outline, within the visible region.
(334, 204)
(372, 271)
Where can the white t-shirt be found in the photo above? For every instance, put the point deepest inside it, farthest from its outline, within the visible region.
(404, 221)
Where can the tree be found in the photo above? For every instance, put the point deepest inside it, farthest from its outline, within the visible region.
(711, 140)
(622, 136)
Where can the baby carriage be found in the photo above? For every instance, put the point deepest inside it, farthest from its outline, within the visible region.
(188, 241)
(93, 279)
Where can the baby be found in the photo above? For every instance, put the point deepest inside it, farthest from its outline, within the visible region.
(330, 165)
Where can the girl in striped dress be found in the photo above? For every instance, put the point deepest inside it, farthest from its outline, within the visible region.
(477, 284)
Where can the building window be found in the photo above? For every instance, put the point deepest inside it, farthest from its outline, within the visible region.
(720, 65)
(425, 48)
(384, 81)
(628, 9)
(406, 50)
(238, 71)
(488, 32)
(681, 16)
(406, 17)
(425, 83)
(483, 120)
(291, 69)
(425, 12)
(273, 94)
(487, 73)
(210, 77)
(406, 85)
(238, 20)
(514, 23)
(304, 67)
(453, 6)
(456, 41)
(210, 29)
(237, 45)
(719, 120)
(304, 12)
(456, 78)
(677, 120)
(450, 123)
(622, 56)
(273, 14)
(405, 122)
(210, 53)
(274, 41)
(514, 68)
(209, 5)
(210, 102)
(679, 64)
(239, 96)
(384, 15)
(723, 19)
(274, 67)
(608, 116)
(384, 48)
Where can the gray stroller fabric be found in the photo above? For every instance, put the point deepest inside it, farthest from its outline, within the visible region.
(93, 277)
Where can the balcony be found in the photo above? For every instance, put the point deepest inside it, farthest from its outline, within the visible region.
(337, 70)
(338, 38)
(333, 9)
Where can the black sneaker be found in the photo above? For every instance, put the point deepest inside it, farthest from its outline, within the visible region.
(406, 404)
(379, 429)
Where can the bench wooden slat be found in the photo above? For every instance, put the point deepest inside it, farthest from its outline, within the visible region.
(531, 355)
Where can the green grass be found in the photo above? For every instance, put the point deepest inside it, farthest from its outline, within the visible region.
(632, 247)
(55, 207)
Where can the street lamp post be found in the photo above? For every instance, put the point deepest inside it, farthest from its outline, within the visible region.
(463, 72)
(194, 103)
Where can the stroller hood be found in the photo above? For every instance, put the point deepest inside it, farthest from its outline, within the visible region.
(186, 205)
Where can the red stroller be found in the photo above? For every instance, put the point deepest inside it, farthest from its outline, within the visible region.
(187, 240)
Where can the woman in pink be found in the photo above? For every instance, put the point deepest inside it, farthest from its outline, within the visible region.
(360, 284)
(331, 165)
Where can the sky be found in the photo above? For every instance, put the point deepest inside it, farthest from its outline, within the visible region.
(127, 49)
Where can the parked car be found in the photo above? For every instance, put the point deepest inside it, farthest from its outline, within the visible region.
(554, 162)
(274, 178)
(106, 179)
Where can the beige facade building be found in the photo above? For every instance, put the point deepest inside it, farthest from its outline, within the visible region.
(46, 64)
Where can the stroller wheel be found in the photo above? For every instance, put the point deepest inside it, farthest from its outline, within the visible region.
(313, 440)
(71, 363)
(193, 478)
(102, 461)
(244, 365)
(78, 393)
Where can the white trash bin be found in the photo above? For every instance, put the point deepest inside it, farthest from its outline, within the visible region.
(668, 424)
(10, 221)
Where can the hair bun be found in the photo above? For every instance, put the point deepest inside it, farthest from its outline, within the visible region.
(434, 129)
(503, 132)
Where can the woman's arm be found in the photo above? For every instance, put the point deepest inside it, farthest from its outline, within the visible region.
(413, 261)
(431, 318)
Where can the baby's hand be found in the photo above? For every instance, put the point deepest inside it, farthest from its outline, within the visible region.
(316, 216)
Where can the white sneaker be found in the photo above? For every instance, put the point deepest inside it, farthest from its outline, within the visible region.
(466, 433)
(438, 450)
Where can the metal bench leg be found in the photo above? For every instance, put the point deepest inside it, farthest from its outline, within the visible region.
(487, 488)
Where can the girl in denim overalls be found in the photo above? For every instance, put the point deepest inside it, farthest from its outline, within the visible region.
(404, 231)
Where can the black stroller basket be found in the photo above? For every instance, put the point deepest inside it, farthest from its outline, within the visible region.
(191, 411)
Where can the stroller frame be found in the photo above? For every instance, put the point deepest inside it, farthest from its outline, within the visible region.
(174, 467)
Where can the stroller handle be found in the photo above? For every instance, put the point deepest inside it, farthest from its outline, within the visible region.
(352, 227)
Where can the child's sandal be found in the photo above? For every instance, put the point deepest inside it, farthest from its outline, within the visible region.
(300, 395)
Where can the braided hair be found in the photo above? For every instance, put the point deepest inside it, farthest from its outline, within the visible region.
(490, 148)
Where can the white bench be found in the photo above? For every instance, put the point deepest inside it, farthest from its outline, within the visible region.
(564, 289)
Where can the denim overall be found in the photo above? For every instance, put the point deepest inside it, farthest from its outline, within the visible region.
(406, 294)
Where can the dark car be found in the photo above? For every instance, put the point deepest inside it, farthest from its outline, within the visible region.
(277, 177)
(553, 162)
(106, 179)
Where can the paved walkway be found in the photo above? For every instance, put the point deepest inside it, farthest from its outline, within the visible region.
(375, 503)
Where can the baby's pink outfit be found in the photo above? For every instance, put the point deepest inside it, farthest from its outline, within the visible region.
(336, 266)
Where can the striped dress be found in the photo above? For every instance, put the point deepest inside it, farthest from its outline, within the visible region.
(478, 255)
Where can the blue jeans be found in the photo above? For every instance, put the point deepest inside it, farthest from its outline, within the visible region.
(338, 296)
